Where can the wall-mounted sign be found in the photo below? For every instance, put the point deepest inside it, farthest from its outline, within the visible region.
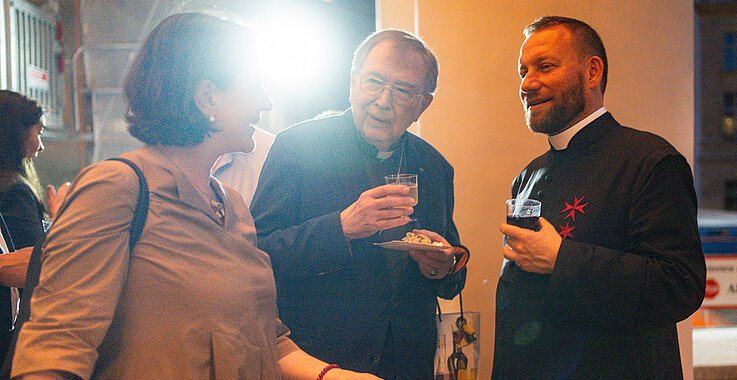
(37, 78)
(721, 281)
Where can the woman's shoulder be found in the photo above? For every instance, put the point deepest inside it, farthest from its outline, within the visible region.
(17, 187)
(18, 192)
(106, 170)
(106, 177)
(120, 172)
(23, 214)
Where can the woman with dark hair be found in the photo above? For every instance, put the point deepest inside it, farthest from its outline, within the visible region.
(20, 141)
(20, 195)
(194, 298)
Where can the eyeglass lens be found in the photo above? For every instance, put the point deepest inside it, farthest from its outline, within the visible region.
(400, 95)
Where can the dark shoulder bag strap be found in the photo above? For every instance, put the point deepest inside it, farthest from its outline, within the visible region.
(34, 265)
(139, 217)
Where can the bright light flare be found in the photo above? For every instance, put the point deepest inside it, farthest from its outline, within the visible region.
(298, 52)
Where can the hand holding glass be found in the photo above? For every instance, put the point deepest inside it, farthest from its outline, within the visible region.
(524, 213)
(409, 180)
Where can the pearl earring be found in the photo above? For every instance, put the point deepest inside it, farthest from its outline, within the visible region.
(212, 119)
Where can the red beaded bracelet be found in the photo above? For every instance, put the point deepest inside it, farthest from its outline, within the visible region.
(325, 370)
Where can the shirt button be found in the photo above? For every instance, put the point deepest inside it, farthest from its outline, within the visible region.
(540, 194)
(375, 358)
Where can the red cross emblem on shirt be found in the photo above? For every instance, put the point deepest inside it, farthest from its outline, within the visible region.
(565, 231)
(578, 205)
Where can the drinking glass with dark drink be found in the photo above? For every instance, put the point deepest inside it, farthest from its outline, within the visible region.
(524, 213)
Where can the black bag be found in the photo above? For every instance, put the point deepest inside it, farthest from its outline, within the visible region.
(34, 265)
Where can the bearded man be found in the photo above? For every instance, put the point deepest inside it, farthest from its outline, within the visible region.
(597, 290)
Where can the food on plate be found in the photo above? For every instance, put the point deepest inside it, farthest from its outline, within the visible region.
(412, 237)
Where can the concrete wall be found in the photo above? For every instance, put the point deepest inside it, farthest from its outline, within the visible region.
(477, 122)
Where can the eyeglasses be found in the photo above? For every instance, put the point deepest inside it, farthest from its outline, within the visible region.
(401, 95)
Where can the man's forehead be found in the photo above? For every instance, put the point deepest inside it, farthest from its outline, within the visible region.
(390, 61)
(554, 40)
(391, 51)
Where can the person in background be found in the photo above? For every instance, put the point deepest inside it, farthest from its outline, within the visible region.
(241, 170)
(194, 298)
(321, 204)
(21, 201)
(21, 204)
(597, 291)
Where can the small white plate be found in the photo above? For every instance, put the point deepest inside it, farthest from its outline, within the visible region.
(408, 246)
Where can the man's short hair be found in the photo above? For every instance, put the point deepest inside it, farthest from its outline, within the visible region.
(180, 51)
(587, 40)
(404, 41)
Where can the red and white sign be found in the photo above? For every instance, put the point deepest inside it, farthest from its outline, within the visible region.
(721, 282)
(37, 77)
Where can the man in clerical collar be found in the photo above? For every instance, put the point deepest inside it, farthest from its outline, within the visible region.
(322, 203)
(596, 289)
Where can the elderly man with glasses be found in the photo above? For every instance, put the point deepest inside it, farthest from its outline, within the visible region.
(321, 204)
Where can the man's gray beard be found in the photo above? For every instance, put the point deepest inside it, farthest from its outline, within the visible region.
(562, 114)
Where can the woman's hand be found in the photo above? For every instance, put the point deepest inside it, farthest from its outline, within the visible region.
(54, 198)
(297, 365)
(341, 374)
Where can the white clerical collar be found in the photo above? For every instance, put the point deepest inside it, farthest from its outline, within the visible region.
(561, 140)
(384, 155)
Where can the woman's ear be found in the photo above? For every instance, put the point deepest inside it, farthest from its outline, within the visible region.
(204, 97)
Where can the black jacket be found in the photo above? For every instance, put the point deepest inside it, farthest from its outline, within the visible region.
(341, 299)
(23, 215)
(630, 265)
